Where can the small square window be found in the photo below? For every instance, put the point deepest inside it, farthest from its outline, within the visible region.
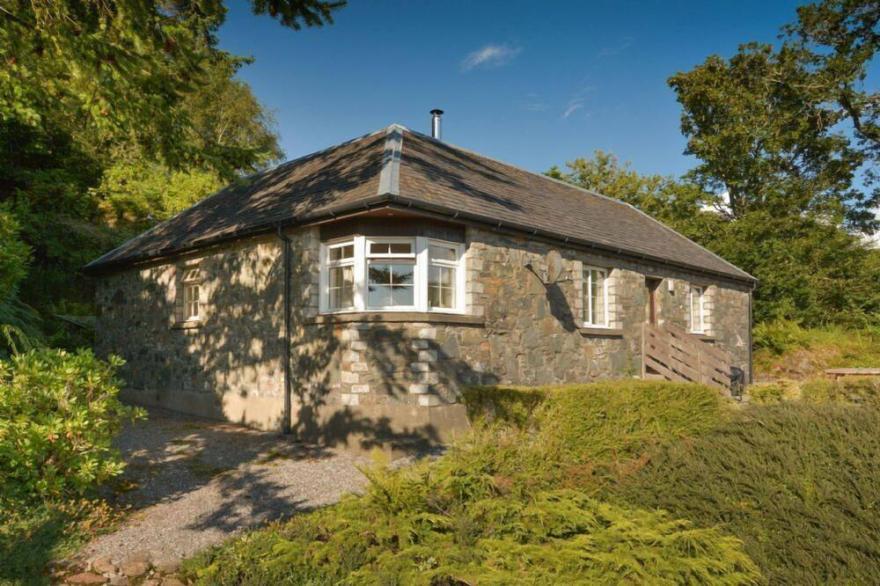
(190, 300)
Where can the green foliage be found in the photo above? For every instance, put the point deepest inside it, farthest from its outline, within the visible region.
(111, 70)
(797, 482)
(31, 536)
(500, 507)
(784, 349)
(14, 255)
(809, 270)
(113, 116)
(399, 533)
(581, 436)
(58, 414)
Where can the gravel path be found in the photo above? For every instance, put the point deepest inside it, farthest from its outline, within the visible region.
(195, 483)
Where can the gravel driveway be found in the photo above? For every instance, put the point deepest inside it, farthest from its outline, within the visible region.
(194, 483)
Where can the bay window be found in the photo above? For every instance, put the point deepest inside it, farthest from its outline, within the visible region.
(392, 274)
(595, 288)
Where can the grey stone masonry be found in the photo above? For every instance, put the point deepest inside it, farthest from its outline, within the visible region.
(523, 325)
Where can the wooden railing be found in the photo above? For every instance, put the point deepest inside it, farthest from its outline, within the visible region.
(674, 354)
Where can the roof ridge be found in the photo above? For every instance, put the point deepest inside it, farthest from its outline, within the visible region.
(584, 190)
(389, 176)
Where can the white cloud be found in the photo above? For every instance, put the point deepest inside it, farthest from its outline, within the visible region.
(572, 107)
(489, 56)
(621, 46)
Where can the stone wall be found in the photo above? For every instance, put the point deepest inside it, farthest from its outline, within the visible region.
(230, 365)
(379, 379)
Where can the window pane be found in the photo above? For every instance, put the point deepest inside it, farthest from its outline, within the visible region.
(341, 287)
(402, 295)
(697, 309)
(598, 280)
(437, 252)
(191, 275)
(379, 248)
(441, 287)
(391, 284)
(342, 252)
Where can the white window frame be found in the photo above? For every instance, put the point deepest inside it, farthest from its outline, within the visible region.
(399, 258)
(420, 259)
(587, 284)
(191, 283)
(697, 328)
(331, 264)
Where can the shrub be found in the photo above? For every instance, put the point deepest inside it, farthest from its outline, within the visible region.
(798, 483)
(58, 414)
(779, 336)
(424, 526)
(581, 435)
(499, 507)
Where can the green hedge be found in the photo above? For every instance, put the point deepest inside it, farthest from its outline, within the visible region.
(798, 482)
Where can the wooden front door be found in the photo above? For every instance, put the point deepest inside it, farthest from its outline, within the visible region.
(651, 286)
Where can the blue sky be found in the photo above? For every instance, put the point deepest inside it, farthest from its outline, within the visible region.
(530, 83)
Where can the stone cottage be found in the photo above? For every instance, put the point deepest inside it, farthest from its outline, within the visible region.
(349, 295)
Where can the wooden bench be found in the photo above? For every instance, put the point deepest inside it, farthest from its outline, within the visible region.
(836, 373)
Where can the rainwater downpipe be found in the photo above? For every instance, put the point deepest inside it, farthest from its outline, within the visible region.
(285, 243)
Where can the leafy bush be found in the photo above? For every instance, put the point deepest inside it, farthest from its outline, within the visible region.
(500, 507)
(780, 335)
(58, 414)
(32, 536)
(799, 483)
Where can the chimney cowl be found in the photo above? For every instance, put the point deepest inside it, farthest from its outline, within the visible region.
(436, 114)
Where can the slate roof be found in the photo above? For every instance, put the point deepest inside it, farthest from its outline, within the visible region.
(399, 166)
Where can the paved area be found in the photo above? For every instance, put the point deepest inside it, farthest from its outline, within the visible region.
(193, 483)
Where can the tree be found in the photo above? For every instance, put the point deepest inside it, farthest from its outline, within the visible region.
(768, 125)
(119, 70)
(114, 115)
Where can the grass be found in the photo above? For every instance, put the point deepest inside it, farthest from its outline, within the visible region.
(31, 536)
(785, 350)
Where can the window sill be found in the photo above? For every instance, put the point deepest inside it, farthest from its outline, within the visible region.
(190, 324)
(594, 332)
(398, 317)
(702, 336)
